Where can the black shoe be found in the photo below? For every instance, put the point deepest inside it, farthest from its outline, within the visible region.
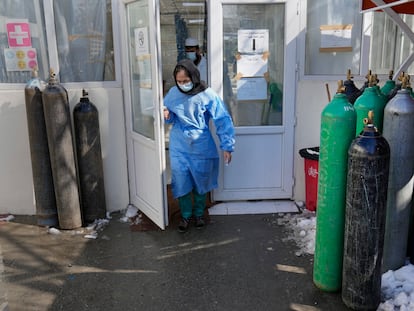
(199, 222)
(183, 225)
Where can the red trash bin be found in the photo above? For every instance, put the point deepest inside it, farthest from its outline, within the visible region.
(311, 156)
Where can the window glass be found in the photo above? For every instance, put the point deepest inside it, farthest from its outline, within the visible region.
(188, 21)
(142, 90)
(253, 42)
(22, 40)
(390, 46)
(84, 40)
(326, 15)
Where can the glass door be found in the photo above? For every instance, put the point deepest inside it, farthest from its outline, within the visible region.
(254, 46)
(143, 94)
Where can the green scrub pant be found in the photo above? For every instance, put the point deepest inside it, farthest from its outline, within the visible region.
(186, 204)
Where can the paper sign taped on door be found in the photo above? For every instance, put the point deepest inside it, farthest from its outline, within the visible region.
(252, 89)
(253, 41)
(252, 65)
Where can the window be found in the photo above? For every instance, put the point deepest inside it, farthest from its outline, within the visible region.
(386, 46)
(390, 46)
(84, 40)
(81, 45)
(14, 15)
(188, 20)
(331, 13)
(254, 34)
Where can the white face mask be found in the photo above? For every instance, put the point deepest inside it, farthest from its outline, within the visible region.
(186, 87)
(191, 55)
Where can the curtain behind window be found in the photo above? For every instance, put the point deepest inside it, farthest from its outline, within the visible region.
(84, 40)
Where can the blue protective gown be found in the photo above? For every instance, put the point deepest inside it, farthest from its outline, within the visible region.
(194, 157)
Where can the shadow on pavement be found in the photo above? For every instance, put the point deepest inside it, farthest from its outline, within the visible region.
(238, 262)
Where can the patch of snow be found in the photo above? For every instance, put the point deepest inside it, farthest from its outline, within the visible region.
(53, 231)
(6, 217)
(397, 287)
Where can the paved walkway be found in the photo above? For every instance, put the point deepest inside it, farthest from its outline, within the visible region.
(237, 262)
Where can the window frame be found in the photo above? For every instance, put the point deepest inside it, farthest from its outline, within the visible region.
(52, 50)
(367, 19)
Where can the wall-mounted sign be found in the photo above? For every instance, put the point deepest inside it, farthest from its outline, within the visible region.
(18, 33)
(22, 59)
(336, 38)
(252, 41)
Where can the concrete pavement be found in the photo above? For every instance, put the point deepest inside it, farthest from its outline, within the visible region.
(237, 262)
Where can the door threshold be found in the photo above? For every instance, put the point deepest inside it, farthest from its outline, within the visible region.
(253, 207)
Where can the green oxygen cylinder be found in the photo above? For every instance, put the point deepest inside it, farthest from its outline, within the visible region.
(389, 85)
(369, 101)
(337, 132)
(382, 102)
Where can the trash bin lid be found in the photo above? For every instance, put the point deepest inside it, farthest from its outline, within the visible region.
(311, 153)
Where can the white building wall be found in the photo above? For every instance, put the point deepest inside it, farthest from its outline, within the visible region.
(16, 182)
(16, 194)
(311, 99)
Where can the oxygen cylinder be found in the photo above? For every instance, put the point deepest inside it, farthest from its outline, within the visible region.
(382, 102)
(366, 83)
(337, 132)
(369, 100)
(410, 91)
(366, 199)
(351, 91)
(397, 87)
(62, 157)
(399, 131)
(389, 85)
(88, 150)
(46, 212)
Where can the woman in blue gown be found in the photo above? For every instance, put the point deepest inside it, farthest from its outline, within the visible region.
(194, 158)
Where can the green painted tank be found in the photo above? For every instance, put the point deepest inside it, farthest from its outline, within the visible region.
(389, 85)
(381, 106)
(370, 100)
(338, 121)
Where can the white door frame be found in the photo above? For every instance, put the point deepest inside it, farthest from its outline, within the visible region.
(284, 133)
(146, 156)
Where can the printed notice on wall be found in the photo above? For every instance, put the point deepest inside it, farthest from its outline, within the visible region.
(336, 38)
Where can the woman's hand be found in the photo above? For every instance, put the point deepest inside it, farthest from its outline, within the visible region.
(227, 157)
(166, 113)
